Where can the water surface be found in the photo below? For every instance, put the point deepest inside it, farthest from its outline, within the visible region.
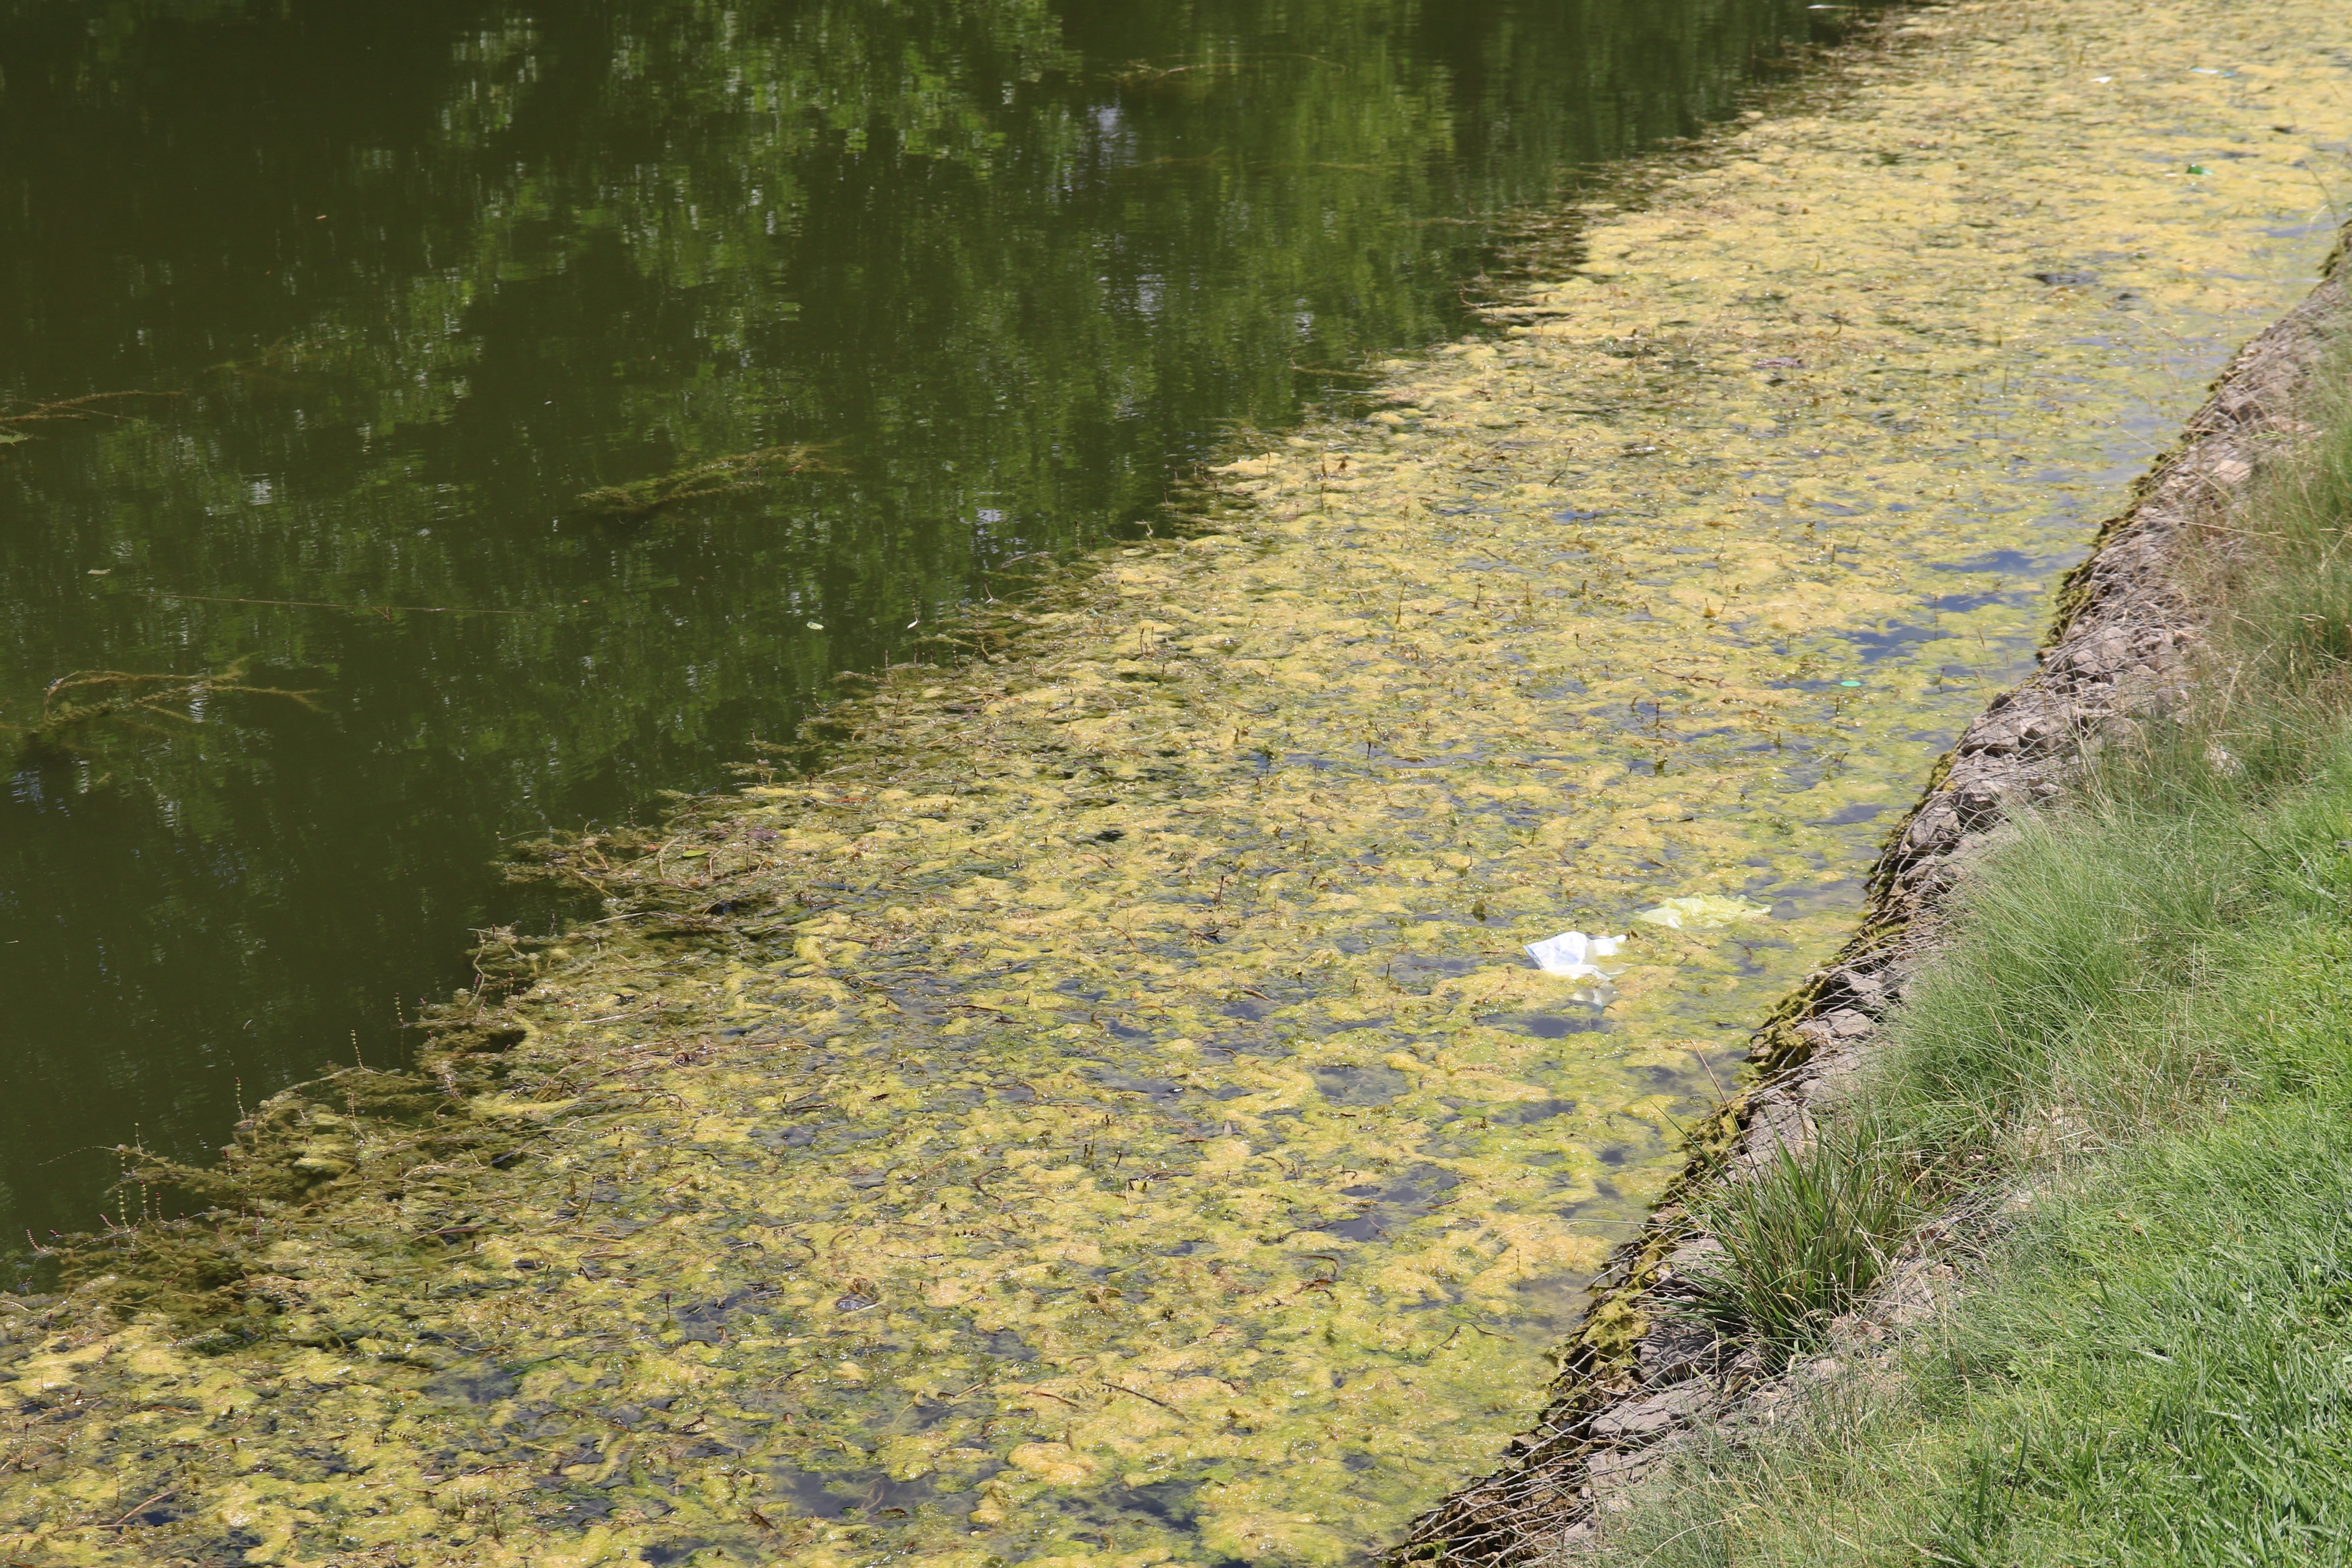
(393, 288)
(1102, 1117)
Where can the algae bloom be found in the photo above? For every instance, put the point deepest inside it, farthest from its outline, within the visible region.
(1103, 1118)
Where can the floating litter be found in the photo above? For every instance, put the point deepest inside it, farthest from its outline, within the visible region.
(1708, 911)
(1569, 954)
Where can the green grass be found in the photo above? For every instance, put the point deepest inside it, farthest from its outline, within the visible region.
(1804, 1240)
(2140, 1042)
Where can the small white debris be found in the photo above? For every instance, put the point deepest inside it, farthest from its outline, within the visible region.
(1569, 954)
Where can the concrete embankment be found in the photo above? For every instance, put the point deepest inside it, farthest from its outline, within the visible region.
(1101, 1114)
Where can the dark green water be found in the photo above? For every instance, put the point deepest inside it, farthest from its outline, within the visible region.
(397, 284)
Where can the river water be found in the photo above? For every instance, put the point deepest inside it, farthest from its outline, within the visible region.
(1101, 1114)
(374, 298)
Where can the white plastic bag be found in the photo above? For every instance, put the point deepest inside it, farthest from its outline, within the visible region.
(1709, 911)
(1569, 954)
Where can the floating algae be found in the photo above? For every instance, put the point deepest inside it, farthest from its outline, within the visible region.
(1104, 1117)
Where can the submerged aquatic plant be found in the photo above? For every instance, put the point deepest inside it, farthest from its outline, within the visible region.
(730, 474)
(15, 417)
(72, 702)
(276, 364)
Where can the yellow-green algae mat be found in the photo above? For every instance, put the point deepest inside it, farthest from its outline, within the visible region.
(1106, 1118)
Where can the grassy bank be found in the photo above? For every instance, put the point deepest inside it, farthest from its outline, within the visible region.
(2136, 1056)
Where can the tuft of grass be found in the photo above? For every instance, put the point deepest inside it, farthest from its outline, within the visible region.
(1804, 1235)
(2140, 1037)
